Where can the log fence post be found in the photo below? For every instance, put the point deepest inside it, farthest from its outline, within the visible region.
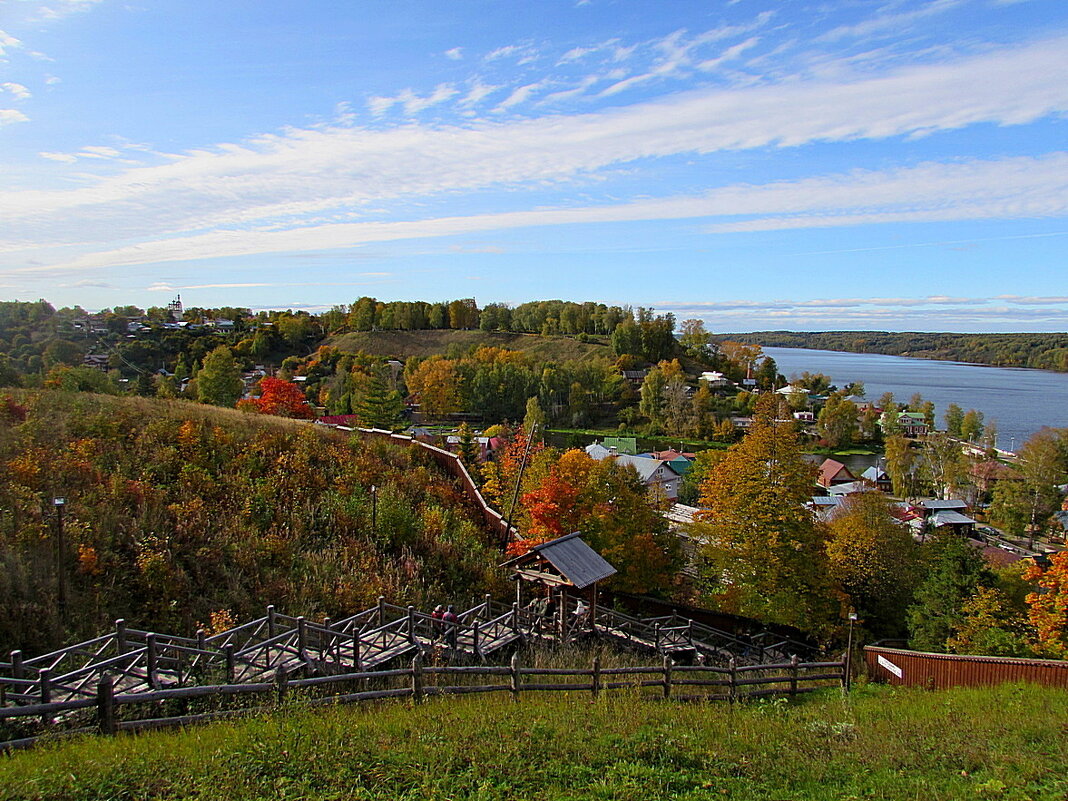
(794, 661)
(474, 637)
(120, 636)
(281, 680)
(151, 660)
(417, 679)
(231, 667)
(381, 610)
(667, 676)
(302, 636)
(44, 683)
(105, 704)
(515, 618)
(595, 684)
(411, 625)
(16, 665)
(733, 690)
(272, 623)
(329, 645)
(514, 677)
(486, 599)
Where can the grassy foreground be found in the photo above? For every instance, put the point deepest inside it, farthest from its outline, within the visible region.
(1006, 743)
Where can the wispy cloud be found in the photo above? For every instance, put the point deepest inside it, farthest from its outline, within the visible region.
(283, 192)
(889, 20)
(8, 43)
(455, 54)
(9, 116)
(17, 90)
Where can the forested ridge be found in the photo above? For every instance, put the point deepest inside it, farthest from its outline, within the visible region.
(1039, 351)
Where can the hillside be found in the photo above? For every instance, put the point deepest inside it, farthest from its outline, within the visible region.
(403, 344)
(879, 744)
(1040, 351)
(179, 515)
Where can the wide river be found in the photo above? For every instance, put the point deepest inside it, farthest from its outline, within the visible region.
(1021, 401)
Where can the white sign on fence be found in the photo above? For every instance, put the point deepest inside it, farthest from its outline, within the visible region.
(886, 663)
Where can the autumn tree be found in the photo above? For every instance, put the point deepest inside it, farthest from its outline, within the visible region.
(437, 384)
(608, 505)
(1049, 606)
(764, 555)
(219, 379)
(874, 559)
(280, 398)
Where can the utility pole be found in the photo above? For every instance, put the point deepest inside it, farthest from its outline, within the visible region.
(61, 556)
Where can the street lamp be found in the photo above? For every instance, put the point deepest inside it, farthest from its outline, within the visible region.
(849, 652)
(61, 548)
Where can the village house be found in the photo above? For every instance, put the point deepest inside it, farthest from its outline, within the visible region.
(878, 478)
(833, 472)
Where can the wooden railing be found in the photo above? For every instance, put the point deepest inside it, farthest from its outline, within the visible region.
(103, 710)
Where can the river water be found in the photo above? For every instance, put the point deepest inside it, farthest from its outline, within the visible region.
(1021, 401)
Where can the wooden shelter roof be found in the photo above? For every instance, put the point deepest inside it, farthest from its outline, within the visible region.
(576, 562)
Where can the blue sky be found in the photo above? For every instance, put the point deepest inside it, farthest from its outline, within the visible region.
(841, 164)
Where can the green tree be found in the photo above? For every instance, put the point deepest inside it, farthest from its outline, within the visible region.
(955, 573)
(374, 403)
(652, 397)
(534, 415)
(971, 426)
(837, 421)
(764, 555)
(219, 379)
(954, 418)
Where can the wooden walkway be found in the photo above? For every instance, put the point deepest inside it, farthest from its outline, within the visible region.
(256, 652)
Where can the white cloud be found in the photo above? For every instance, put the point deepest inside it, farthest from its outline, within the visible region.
(455, 53)
(302, 183)
(380, 105)
(478, 92)
(520, 95)
(891, 22)
(8, 42)
(8, 116)
(412, 103)
(19, 91)
(1010, 188)
(57, 9)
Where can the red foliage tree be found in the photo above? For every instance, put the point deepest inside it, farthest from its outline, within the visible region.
(281, 398)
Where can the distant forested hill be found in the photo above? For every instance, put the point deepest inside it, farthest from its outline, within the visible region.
(1041, 351)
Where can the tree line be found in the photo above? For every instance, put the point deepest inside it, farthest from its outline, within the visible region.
(1040, 351)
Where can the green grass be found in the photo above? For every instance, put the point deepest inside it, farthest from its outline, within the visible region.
(1003, 743)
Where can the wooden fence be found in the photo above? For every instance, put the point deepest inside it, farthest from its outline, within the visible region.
(938, 671)
(102, 712)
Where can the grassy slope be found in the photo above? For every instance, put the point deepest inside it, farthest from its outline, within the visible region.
(403, 344)
(1004, 743)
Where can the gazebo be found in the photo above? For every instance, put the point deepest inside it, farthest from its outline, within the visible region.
(561, 563)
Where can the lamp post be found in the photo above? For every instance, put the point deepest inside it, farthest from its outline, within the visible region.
(374, 509)
(849, 652)
(61, 548)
